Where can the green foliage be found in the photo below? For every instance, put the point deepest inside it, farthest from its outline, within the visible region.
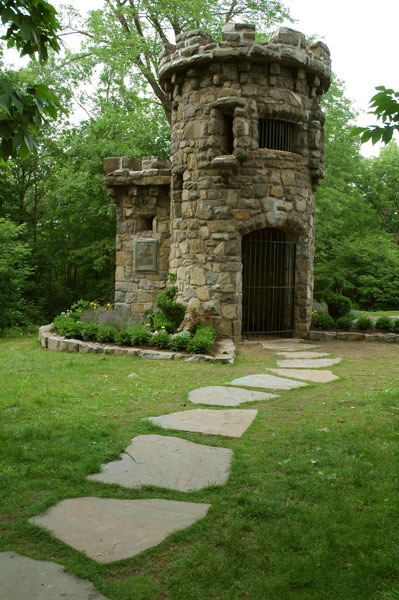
(171, 313)
(32, 26)
(323, 321)
(123, 337)
(179, 341)
(203, 340)
(105, 334)
(32, 29)
(385, 105)
(14, 274)
(140, 336)
(384, 323)
(364, 323)
(345, 322)
(89, 331)
(338, 305)
(162, 340)
(395, 325)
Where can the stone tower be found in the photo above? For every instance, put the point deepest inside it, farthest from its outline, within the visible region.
(246, 159)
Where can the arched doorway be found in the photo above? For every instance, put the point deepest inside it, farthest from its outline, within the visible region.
(268, 282)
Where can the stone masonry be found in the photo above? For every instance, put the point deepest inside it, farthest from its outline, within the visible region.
(224, 179)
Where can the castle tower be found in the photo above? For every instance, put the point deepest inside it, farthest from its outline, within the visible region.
(246, 159)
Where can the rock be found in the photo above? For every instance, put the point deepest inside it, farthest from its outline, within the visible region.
(308, 363)
(217, 395)
(107, 529)
(307, 374)
(267, 381)
(231, 423)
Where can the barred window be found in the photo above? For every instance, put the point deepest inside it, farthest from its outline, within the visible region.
(275, 135)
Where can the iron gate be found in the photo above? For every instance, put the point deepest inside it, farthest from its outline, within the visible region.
(268, 276)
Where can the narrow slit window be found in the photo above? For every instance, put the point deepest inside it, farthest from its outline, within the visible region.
(275, 135)
(229, 137)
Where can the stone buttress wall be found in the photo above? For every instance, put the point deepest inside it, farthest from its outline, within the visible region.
(223, 183)
(141, 192)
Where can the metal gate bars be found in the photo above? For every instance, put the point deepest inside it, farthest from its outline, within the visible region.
(268, 276)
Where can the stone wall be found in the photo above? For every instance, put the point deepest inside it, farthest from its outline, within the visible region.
(141, 192)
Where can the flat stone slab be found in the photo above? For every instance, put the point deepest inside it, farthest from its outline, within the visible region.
(107, 529)
(231, 423)
(22, 578)
(307, 374)
(267, 381)
(303, 354)
(167, 462)
(288, 345)
(219, 395)
(308, 363)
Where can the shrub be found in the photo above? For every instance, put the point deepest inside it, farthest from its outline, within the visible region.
(106, 334)
(345, 322)
(140, 336)
(123, 337)
(364, 323)
(89, 331)
(323, 321)
(179, 341)
(384, 323)
(338, 305)
(162, 340)
(171, 313)
(395, 325)
(203, 340)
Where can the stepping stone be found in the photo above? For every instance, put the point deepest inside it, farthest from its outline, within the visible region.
(107, 529)
(219, 395)
(167, 462)
(288, 346)
(308, 363)
(267, 381)
(22, 578)
(307, 374)
(303, 354)
(231, 423)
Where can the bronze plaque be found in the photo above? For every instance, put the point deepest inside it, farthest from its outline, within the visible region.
(145, 255)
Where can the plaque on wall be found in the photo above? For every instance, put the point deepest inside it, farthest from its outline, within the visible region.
(145, 255)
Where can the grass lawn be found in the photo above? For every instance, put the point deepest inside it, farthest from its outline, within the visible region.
(311, 508)
(376, 313)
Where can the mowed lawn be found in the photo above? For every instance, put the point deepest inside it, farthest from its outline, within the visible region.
(310, 510)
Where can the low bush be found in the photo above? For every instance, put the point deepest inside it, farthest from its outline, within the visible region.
(123, 337)
(140, 336)
(106, 334)
(345, 322)
(384, 323)
(364, 323)
(170, 313)
(202, 341)
(179, 341)
(338, 305)
(89, 331)
(323, 321)
(161, 340)
(395, 325)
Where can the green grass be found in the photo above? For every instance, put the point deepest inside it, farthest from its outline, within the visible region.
(376, 313)
(310, 510)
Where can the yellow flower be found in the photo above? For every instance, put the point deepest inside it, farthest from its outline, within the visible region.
(163, 327)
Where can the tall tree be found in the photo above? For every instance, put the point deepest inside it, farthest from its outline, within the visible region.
(127, 35)
(385, 106)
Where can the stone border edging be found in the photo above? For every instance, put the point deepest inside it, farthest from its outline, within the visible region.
(224, 349)
(353, 336)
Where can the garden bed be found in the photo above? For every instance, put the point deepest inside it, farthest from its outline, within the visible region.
(353, 336)
(224, 350)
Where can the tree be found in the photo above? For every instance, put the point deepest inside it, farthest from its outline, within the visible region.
(127, 35)
(380, 186)
(386, 109)
(32, 29)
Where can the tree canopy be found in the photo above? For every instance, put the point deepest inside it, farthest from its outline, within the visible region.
(32, 29)
(385, 105)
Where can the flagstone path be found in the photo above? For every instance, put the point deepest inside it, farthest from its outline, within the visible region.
(231, 423)
(219, 395)
(167, 462)
(108, 529)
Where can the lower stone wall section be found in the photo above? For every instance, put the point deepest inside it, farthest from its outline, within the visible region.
(224, 349)
(324, 336)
